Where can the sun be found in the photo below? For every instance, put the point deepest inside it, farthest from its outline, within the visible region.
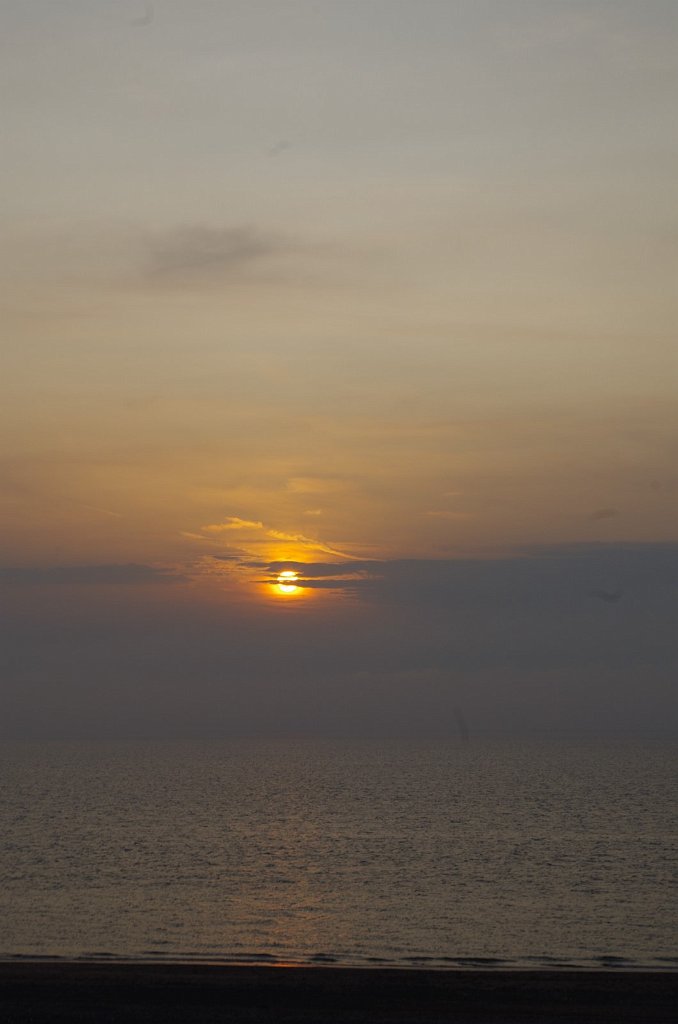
(286, 582)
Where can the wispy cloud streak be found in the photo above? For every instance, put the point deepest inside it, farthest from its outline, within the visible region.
(199, 251)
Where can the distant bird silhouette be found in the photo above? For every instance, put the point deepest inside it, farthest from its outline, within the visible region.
(610, 596)
(147, 17)
(278, 147)
(461, 724)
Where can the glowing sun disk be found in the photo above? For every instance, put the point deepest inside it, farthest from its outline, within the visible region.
(286, 582)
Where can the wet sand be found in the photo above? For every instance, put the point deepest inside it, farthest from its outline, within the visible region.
(100, 993)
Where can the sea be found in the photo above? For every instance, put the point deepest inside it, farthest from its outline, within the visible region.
(478, 853)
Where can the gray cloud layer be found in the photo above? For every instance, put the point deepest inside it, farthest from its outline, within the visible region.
(556, 574)
(520, 644)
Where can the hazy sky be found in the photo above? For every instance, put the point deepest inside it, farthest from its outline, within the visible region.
(378, 292)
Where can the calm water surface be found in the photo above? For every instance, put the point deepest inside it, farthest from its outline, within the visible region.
(411, 854)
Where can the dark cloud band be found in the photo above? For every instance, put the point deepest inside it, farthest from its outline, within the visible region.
(77, 575)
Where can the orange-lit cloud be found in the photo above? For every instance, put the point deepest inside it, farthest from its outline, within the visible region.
(249, 526)
(299, 538)
(233, 523)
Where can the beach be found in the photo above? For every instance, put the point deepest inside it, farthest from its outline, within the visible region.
(75, 992)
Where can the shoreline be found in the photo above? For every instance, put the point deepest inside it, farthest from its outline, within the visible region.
(44, 991)
(462, 966)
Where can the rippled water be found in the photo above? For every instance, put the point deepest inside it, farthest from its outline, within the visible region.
(475, 853)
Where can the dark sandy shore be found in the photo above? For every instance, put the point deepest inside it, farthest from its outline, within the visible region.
(37, 993)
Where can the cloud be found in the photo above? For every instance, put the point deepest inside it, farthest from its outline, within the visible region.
(336, 572)
(519, 642)
(317, 484)
(104, 511)
(445, 514)
(234, 523)
(603, 513)
(608, 595)
(76, 575)
(249, 525)
(526, 578)
(299, 538)
(198, 251)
